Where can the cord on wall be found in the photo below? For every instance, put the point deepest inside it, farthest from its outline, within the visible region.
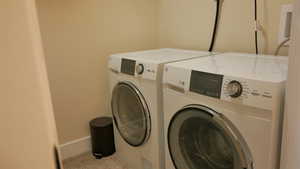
(256, 27)
(217, 17)
(280, 46)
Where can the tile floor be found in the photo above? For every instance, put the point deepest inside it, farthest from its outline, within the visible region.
(87, 161)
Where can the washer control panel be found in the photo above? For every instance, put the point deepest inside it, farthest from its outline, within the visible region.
(255, 93)
(250, 92)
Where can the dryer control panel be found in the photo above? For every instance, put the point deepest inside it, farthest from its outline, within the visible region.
(128, 66)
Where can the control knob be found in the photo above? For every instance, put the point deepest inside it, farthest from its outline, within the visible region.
(234, 89)
(140, 69)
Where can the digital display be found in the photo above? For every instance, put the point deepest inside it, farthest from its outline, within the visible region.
(128, 66)
(207, 84)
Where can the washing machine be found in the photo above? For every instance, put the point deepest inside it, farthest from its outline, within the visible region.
(136, 104)
(224, 112)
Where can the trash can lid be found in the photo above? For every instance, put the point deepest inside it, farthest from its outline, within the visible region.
(101, 122)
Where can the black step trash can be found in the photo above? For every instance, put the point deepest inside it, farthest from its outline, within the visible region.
(102, 137)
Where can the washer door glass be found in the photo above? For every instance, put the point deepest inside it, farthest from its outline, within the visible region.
(131, 114)
(200, 138)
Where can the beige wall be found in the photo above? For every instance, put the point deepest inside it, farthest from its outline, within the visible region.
(188, 24)
(27, 126)
(291, 136)
(78, 37)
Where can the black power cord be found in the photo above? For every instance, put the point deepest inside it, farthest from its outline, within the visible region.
(256, 32)
(213, 39)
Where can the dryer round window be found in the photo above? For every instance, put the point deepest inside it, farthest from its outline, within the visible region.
(131, 113)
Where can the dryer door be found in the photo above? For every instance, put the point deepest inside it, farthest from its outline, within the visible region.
(200, 138)
(131, 113)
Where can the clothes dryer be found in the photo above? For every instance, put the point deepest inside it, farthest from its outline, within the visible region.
(136, 102)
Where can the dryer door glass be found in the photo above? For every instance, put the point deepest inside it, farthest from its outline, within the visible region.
(131, 114)
(200, 138)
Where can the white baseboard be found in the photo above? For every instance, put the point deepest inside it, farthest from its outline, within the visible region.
(75, 147)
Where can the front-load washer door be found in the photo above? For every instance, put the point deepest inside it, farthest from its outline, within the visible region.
(131, 113)
(200, 138)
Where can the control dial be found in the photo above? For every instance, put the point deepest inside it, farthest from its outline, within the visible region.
(140, 69)
(234, 89)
